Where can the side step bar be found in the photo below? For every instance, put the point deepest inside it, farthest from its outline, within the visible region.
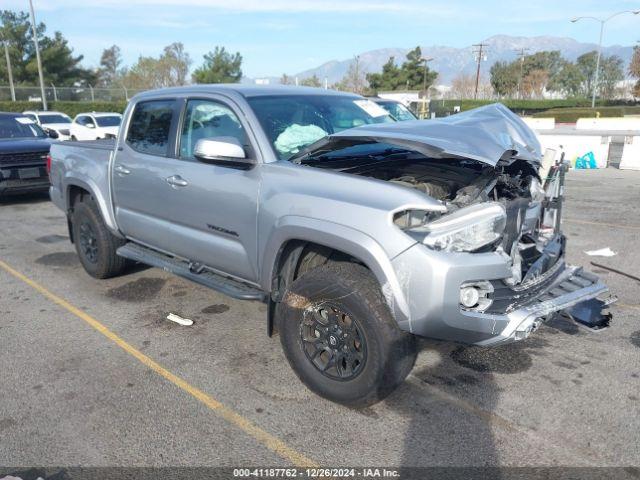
(203, 276)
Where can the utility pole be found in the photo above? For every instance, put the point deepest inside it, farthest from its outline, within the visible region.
(479, 46)
(35, 40)
(521, 54)
(423, 110)
(13, 90)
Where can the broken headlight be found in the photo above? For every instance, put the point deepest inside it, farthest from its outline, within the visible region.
(464, 230)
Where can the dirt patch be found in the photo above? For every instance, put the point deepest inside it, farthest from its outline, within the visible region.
(59, 259)
(139, 290)
(215, 309)
(52, 239)
(635, 338)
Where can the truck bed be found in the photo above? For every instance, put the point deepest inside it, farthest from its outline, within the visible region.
(83, 164)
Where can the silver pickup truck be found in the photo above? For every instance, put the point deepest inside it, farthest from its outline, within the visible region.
(359, 232)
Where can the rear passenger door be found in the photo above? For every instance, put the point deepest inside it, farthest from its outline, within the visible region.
(142, 164)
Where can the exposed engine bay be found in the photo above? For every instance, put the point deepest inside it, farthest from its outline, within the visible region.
(460, 183)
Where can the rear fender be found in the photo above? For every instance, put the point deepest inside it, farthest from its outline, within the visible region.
(102, 200)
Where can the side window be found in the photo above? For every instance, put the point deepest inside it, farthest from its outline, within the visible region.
(31, 116)
(89, 121)
(150, 127)
(81, 120)
(208, 119)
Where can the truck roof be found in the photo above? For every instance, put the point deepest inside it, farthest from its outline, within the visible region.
(244, 90)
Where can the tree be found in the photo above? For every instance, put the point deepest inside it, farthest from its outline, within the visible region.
(110, 63)
(586, 63)
(170, 69)
(504, 78)
(286, 80)
(410, 75)
(463, 86)
(533, 85)
(634, 70)
(570, 80)
(313, 81)
(174, 63)
(611, 72)
(354, 80)
(219, 66)
(59, 65)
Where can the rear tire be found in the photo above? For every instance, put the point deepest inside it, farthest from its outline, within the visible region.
(95, 244)
(340, 338)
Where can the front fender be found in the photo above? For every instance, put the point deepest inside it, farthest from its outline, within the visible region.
(345, 239)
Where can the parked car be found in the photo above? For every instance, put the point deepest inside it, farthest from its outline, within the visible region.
(95, 126)
(395, 108)
(51, 121)
(24, 149)
(359, 239)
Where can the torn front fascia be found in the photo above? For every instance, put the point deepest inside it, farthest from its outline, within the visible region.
(590, 313)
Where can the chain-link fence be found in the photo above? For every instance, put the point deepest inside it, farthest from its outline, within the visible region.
(68, 94)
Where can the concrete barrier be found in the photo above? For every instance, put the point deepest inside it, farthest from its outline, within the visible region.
(614, 123)
(576, 146)
(631, 153)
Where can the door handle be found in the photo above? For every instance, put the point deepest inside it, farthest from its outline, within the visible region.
(122, 170)
(177, 181)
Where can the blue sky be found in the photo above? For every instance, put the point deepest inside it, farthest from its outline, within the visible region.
(276, 36)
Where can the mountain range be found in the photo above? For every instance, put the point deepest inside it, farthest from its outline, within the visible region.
(450, 62)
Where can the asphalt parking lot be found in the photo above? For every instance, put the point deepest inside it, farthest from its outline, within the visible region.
(93, 374)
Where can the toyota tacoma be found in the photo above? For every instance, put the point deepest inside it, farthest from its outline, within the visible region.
(360, 233)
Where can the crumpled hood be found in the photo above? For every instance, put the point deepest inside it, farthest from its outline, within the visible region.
(486, 134)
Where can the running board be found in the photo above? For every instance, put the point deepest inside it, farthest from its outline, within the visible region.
(184, 269)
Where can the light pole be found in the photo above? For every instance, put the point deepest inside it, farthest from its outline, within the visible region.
(423, 110)
(602, 22)
(35, 40)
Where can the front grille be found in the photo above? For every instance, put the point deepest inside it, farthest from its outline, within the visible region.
(26, 158)
(507, 298)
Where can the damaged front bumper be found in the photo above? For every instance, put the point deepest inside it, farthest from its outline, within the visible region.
(432, 295)
(572, 287)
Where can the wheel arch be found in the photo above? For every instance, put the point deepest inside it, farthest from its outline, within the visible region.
(295, 238)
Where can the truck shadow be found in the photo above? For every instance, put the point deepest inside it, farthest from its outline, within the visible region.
(24, 199)
(449, 400)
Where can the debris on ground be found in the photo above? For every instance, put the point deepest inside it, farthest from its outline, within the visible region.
(180, 320)
(603, 252)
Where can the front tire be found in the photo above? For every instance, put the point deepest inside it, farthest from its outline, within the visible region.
(340, 338)
(95, 244)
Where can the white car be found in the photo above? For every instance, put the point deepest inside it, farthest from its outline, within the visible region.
(51, 121)
(95, 126)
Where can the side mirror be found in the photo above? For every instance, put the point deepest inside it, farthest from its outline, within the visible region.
(51, 133)
(90, 125)
(225, 151)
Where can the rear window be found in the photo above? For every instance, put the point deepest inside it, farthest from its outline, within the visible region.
(108, 121)
(54, 118)
(150, 127)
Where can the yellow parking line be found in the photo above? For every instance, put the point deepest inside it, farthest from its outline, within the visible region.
(600, 224)
(271, 442)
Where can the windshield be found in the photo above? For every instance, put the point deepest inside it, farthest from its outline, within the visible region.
(54, 118)
(398, 111)
(19, 127)
(292, 122)
(110, 121)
